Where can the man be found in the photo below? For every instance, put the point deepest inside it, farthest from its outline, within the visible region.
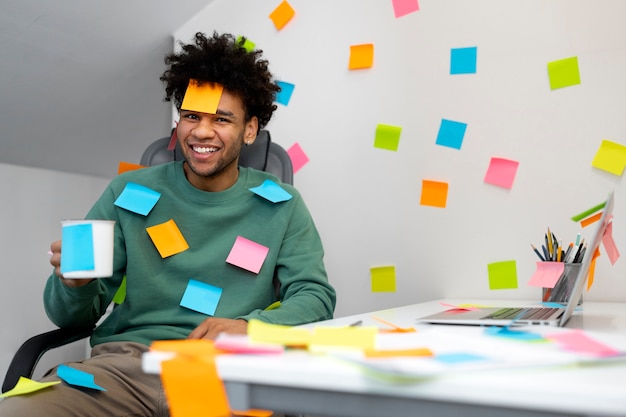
(208, 199)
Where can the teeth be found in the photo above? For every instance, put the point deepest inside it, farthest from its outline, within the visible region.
(202, 149)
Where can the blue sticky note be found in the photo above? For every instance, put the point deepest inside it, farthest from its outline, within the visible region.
(286, 90)
(463, 60)
(137, 198)
(77, 253)
(77, 378)
(272, 192)
(451, 133)
(458, 357)
(512, 333)
(201, 297)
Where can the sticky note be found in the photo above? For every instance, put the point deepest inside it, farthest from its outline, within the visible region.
(173, 139)
(391, 353)
(77, 378)
(284, 95)
(404, 7)
(203, 97)
(610, 157)
(383, 278)
(458, 357)
(609, 244)
(186, 347)
(463, 60)
(578, 341)
(501, 172)
(587, 212)
(272, 192)
(502, 275)
(387, 137)
(240, 343)
(120, 294)
(563, 73)
(361, 56)
(167, 238)
(547, 274)
(349, 336)
(127, 166)
(460, 307)
(137, 198)
(261, 332)
(78, 251)
(282, 14)
(297, 156)
(510, 333)
(451, 133)
(26, 386)
(193, 387)
(201, 297)
(591, 219)
(247, 43)
(247, 254)
(434, 193)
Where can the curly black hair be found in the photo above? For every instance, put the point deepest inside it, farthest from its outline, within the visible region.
(223, 59)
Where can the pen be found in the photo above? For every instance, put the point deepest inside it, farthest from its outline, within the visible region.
(577, 255)
(567, 252)
(356, 323)
(537, 252)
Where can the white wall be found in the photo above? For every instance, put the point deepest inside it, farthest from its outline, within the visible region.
(33, 203)
(366, 200)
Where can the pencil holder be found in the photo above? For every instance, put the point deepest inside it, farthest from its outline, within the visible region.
(564, 287)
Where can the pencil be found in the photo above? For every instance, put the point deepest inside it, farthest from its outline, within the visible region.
(537, 252)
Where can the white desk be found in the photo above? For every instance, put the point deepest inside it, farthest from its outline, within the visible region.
(298, 382)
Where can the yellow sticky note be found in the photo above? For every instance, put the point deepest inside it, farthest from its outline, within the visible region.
(203, 97)
(361, 56)
(383, 278)
(282, 14)
(398, 352)
(193, 388)
(434, 193)
(346, 337)
(563, 73)
(26, 386)
(502, 275)
(262, 332)
(611, 157)
(167, 238)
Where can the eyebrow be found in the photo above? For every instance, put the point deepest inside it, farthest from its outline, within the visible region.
(226, 113)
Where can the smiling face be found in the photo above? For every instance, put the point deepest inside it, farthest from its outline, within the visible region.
(211, 143)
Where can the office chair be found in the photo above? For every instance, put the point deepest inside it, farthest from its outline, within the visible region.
(263, 155)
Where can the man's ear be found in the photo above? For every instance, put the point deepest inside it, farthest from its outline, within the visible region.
(251, 130)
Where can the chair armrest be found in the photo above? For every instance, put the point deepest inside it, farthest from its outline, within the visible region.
(27, 356)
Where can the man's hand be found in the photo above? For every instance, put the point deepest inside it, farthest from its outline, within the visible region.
(211, 327)
(55, 261)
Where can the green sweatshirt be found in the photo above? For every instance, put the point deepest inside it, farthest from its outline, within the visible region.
(210, 222)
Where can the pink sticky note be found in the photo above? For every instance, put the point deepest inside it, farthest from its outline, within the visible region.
(547, 274)
(247, 254)
(609, 244)
(577, 341)
(501, 172)
(298, 157)
(404, 7)
(460, 308)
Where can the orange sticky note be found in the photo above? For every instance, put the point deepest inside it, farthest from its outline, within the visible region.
(361, 56)
(592, 269)
(434, 193)
(167, 238)
(202, 98)
(282, 15)
(127, 166)
(591, 220)
(193, 388)
(189, 347)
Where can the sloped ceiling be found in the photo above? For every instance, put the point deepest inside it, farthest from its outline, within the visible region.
(79, 80)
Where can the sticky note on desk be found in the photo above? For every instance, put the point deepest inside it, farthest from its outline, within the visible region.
(610, 157)
(262, 332)
(26, 386)
(502, 275)
(77, 378)
(247, 254)
(350, 337)
(137, 198)
(563, 73)
(547, 274)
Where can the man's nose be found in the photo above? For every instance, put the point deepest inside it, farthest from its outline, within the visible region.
(204, 129)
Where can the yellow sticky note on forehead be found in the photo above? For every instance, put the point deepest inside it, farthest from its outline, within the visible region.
(202, 97)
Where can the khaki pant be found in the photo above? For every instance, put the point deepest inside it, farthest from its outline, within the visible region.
(116, 367)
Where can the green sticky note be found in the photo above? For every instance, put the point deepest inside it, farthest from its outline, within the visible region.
(387, 137)
(563, 73)
(383, 278)
(502, 275)
(247, 44)
(26, 386)
(120, 294)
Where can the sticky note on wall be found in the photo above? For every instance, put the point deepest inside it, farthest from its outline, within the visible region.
(387, 137)
(282, 14)
(501, 172)
(404, 7)
(463, 60)
(297, 156)
(451, 133)
(610, 157)
(502, 275)
(434, 193)
(383, 278)
(361, 56)
(563, 73)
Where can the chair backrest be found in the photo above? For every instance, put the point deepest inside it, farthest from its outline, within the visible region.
(263, 155)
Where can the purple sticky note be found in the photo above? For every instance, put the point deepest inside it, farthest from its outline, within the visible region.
(201, 297)
(137, 198)
(297, 156)
(247, 254)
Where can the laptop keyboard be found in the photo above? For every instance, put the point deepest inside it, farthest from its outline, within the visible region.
(529, 313)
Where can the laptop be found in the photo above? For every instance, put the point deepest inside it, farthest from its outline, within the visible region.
(534, 316)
